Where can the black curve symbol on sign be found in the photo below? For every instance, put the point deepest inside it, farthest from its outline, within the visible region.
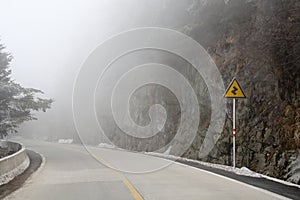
(234, 90)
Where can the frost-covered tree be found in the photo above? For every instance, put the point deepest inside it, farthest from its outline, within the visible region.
(16, 102)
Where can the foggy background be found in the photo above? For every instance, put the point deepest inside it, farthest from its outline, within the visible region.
(51, 39)
(256, 41)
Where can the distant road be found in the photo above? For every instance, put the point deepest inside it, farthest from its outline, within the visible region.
(70, 172)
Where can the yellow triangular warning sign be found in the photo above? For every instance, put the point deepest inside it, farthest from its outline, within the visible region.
(234, 90)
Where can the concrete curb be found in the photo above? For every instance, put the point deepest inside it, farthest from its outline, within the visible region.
(14, 164)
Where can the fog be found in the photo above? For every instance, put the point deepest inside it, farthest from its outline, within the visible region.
(151, 76)
(51, 39)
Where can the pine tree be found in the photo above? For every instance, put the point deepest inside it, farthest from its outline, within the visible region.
(16, 102)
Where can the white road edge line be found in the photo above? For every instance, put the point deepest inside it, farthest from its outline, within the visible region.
(218, 175)
(230, 179)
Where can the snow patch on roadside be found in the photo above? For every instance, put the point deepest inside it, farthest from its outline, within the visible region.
(244, 171)
(65, 141)
(105, 145)
(5, 178)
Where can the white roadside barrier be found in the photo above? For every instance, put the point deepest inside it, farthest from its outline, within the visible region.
(13, 164)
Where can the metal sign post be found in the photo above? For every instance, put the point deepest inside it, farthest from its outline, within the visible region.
(233, 133)
(234, 91)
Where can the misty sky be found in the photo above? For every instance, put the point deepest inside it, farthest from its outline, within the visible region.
(51, 39)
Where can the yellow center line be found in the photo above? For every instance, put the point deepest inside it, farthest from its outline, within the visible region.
(134, 192)
(127, 183)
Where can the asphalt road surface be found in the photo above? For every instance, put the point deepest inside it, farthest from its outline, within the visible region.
(70, 172)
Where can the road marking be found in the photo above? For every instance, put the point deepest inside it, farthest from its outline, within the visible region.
(134, 192)
(233, 180)
(136, 195)
(132, 189)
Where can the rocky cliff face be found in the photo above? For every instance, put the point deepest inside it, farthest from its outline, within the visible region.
(260, 45)
(257, 41)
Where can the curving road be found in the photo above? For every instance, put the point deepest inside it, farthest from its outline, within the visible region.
(70, 172)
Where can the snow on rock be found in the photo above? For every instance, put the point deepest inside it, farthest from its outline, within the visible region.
(167, 152)
(65, 141)
(294, 174)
